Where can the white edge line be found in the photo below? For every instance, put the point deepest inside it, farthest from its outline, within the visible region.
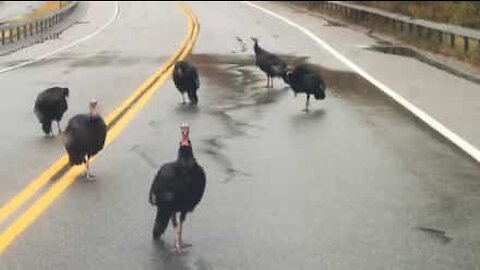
(434, 124)
(76, 42)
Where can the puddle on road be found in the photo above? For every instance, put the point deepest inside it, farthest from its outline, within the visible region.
(236, 84)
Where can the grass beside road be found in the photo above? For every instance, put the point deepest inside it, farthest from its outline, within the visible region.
(463, 13)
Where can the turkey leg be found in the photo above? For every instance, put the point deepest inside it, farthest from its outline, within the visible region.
(307, 103)
(59, 129)
(88, 176)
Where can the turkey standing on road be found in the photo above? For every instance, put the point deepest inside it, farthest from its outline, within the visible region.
(305, 79)
(50, 105)
(85, 137)
(185, 77)
(177, 188)
(269, 63)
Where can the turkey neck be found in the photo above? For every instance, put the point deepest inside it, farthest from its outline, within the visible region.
(185, 154)
(93, 112)
(256, 48)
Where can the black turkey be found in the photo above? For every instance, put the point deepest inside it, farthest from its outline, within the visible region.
(185, 77)
(269, 63)
(50, 106)
(305, 79)
(177, 189)
(85, 137)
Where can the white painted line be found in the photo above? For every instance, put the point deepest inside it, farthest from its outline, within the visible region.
(437, 126)
(66, 47)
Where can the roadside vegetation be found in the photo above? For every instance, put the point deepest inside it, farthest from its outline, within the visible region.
(463, 13)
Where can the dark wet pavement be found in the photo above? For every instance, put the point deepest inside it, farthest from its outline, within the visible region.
(357, 183)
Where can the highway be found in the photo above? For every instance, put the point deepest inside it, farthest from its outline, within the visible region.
(356, 183)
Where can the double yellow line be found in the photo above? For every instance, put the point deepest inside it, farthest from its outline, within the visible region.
(116, 122)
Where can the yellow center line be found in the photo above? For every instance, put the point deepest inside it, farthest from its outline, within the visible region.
(127, 111)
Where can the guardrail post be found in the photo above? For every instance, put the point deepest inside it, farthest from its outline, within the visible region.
(25, 31)
(31, 29)
(11, 35)
(399, 25)
(18, 33)
(465, 44)
(3, 36)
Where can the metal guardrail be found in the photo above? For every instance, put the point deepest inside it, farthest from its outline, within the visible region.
(439, 33)
(14, 31)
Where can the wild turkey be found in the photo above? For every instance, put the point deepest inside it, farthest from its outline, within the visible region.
(50, 105)
(177, 188)
(85, 137)
(305, 79)
(185, 77)
(269, 63)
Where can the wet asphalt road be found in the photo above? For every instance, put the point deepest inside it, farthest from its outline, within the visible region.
(357, 183)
